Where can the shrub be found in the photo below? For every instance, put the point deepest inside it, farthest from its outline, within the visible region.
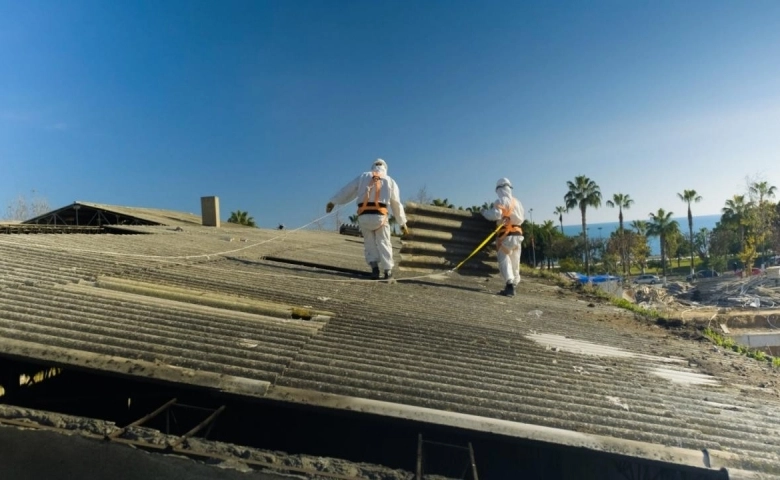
(729, 344)
(569, 265)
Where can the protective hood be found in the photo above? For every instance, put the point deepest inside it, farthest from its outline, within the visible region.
(503, 182)
(379, 166)
(504, 187)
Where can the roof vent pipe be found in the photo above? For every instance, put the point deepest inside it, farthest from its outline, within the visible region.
(209, 207)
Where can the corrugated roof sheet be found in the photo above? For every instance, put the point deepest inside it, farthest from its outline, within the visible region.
(435, 348)
(440, 238)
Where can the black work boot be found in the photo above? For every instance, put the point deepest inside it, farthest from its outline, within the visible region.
(508, 291)
(374, 271)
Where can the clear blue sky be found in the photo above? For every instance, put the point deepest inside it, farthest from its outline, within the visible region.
(273, 106)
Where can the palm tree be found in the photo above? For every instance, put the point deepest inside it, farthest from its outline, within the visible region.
(763, 190)
(353, 218)
(640, 226)
(546, 232)
(241, 218)
(621, 201)
(583, 193)
(734, 213)
(661, 225)
(689, 196)
(477, 208)
(560, 211)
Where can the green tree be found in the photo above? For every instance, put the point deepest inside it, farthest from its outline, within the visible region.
(724, 241)
(241, 218)
(545, 233)
(640, 250)
(763, 190)
(689, 196)
(353, 218)
(583, 193)
(776, 229)
(677, 246)
(734, 215)
(634, 245)
(565, 249)
(478, 208)
(560, 210)
(438, 202)
(766, 210)
(755, 223)
(752, 240)
(662, 226)
(621, 201)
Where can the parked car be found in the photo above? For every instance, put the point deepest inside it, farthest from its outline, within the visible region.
(702, 274)
(647, 279)
(754, 272)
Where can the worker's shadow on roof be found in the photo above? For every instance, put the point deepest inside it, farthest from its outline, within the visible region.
(430, 283)
(300, 266)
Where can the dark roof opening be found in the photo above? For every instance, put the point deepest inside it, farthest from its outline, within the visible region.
(84, 217)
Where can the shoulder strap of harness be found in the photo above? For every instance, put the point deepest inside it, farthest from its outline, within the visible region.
(367, 205)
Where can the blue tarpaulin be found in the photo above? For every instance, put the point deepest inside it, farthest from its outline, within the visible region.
(596, 278)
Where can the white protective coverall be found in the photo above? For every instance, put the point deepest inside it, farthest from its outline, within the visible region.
(508, 211)
(373, 217)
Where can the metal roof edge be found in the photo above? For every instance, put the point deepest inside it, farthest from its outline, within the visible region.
(157, 216)
(50, 212)
(682, 456)
(64, 357)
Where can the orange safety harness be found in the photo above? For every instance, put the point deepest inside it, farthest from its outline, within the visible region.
(376, 206)
(507, 228)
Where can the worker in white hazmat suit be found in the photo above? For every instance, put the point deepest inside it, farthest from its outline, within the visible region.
(375, 192)
(508, 212)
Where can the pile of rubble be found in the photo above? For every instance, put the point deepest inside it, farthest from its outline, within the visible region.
(664, 300)
(724, 294)
(649, 296)
(758, 291)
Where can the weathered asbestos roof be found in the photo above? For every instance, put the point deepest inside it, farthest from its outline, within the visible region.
(257, 312)
(152, 215)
